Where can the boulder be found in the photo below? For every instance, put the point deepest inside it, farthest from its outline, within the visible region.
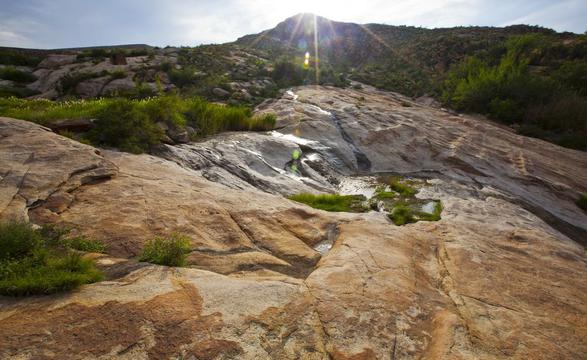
(74, 125)
(92, 87)
(221, 93)
(54, 61)
(119, 85)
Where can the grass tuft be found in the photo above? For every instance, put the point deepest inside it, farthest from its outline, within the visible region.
(332, 202)
(131, 124)
(170, 251)
(401, 188)
(35, 262)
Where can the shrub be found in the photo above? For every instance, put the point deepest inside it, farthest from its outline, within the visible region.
(125, 126)
(332, 202)
(13, 74)
(130, 125)
(166, 251)
(83, 244)
(582, 201)
(18, 58)
(46, 273)
(18, 240)
(36, 262)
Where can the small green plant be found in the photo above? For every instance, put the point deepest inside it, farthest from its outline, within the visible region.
(332, 202)
(36, 262)
(83, 244)
(170, 251)
(582, 201)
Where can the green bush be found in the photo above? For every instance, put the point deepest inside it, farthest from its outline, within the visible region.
(83, 244)
(13, 74)
(582, 201)
(18, 58)
(166, 251)
(123, 125)
(130, 125)
(550, 106)
(36, 262)
(18, 240)
(332, 202)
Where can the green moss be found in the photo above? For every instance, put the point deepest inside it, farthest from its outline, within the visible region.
(35, 262)
(399, 187)
(83, 244)
(402, 214)
(170, 251)
(332, 202)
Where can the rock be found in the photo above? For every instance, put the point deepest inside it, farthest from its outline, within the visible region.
(490, 280)
(8, 83)
(220, 92)
(119, 85)
(92, 87)
(74, 125)
(54, 61)
(179, 136)
(192, 133)
(118, 59)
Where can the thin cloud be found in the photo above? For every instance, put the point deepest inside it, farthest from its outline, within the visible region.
(70, 23)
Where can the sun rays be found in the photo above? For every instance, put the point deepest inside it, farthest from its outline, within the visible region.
(309, 35)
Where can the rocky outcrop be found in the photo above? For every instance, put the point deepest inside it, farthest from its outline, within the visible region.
(491, 280)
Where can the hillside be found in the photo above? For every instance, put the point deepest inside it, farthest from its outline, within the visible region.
(541, 95)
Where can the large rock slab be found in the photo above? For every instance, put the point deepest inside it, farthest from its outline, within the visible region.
(490, 280)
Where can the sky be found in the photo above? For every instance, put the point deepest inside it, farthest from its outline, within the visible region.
(49, 24)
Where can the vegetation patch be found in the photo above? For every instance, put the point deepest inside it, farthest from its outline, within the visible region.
(506, 85)
(13, 74)
(332, 202)
(170, 251)
(38, 262)
(404, 213)
(131, 125)
(393, 195)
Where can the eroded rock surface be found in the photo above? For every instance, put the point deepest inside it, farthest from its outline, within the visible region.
(490, 280)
